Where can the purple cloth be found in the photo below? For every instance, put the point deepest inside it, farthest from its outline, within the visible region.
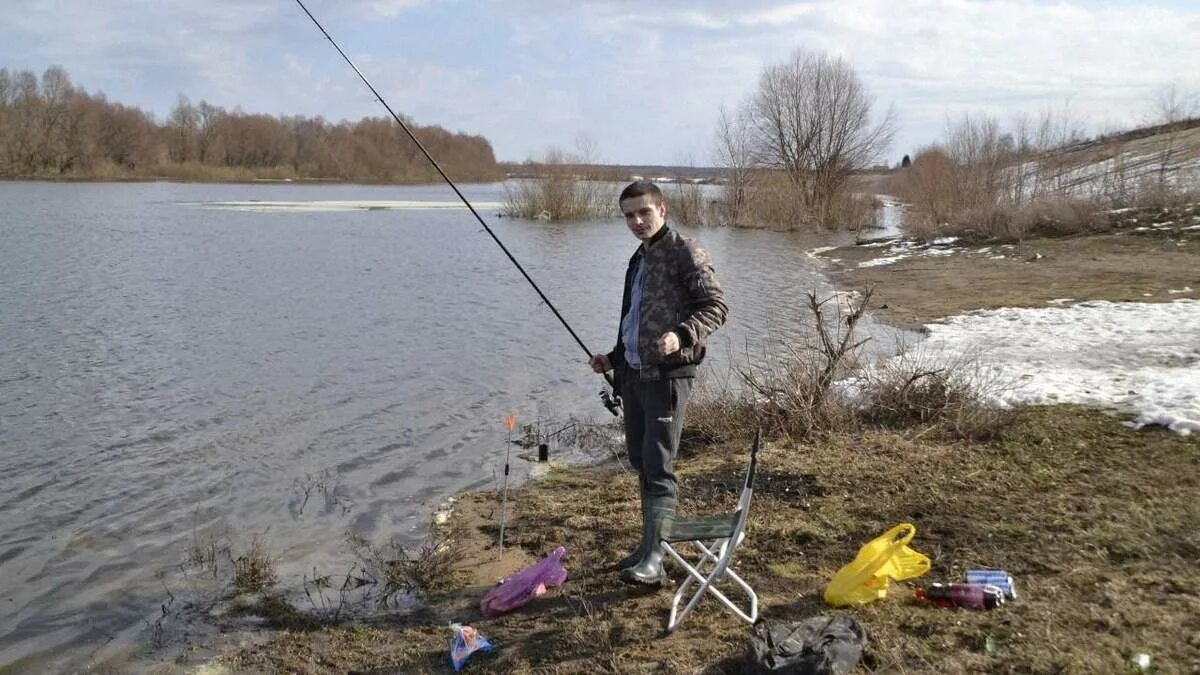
(520, 588)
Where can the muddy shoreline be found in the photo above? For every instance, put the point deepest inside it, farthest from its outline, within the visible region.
(1151, 258)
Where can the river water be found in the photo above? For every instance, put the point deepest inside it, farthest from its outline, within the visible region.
(173, 363)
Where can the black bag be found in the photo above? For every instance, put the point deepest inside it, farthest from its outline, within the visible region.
(819, 645)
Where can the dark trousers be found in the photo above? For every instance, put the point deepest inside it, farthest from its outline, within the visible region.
(653, 422)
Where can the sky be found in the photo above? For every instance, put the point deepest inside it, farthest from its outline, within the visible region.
(642, 81)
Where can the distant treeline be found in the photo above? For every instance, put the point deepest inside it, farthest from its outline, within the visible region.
(50, 128)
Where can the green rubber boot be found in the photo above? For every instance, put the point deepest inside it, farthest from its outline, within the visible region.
(639, 552)
(649, 570)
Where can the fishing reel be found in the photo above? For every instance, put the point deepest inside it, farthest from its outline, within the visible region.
(611, 401)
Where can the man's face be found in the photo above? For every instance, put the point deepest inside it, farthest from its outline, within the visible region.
(643, 216)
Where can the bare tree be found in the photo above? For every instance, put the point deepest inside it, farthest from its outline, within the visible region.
(811, 118)
(183, 125)
(1170, 109)
(733, 154)
(210, 116)
(7, 88)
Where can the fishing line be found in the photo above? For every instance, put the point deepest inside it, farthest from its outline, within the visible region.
(613, 401)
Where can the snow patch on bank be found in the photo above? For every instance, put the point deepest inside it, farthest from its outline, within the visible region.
(1141, 358)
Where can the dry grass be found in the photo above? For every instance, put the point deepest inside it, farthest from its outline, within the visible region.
(918, 388)
(769, 200)
(208, 547)
(687, 205)
(254, 570)
(822, 385)
(430, 569)
(558, 197)
(1094, 520)
(566, 188)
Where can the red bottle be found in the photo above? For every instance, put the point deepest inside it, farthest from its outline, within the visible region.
(973, 596)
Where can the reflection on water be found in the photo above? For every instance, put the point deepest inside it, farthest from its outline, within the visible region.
(166, 369)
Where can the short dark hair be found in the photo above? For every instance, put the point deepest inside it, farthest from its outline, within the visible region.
(642, 187)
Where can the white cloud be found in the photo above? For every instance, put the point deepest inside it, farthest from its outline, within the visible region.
(383, 8)
(936, 58)
(645, 79)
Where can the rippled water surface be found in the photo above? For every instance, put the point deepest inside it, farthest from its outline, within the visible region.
(168, 365)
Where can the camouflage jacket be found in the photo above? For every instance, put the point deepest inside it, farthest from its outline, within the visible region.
(679, 293)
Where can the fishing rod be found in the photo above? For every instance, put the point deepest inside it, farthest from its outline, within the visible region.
(611, 401)
(510, 422)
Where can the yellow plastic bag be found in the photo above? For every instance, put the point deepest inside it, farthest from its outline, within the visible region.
(866, 577)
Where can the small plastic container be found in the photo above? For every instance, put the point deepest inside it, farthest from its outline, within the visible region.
(998, 578)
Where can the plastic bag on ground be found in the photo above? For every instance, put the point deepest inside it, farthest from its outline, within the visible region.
(465, 642)
(520, 588)
(885, 557)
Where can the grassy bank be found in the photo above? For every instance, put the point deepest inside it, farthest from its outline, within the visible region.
(1094, 520)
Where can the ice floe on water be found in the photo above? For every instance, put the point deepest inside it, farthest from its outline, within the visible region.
(899, 249)
(814, 253)
(339, 205)
(887, 260)
(1140, 358)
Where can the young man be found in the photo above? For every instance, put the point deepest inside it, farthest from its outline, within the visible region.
(671, 304)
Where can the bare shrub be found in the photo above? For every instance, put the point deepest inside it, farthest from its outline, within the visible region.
(565, 189)
(794, 394)
(820, 384)
(927, 186)
(1060, 215)
(1152, 194)
(686, 204)
(852, 210)
(207, 548)
(1042, 178)
(919, 388)
(770, 203)
(1171, 107)
(718, 412)
(254, 570)
(431, 568)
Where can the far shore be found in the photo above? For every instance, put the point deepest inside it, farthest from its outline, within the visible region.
(217, 179)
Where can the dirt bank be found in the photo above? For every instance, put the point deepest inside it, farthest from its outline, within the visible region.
(927, 283)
